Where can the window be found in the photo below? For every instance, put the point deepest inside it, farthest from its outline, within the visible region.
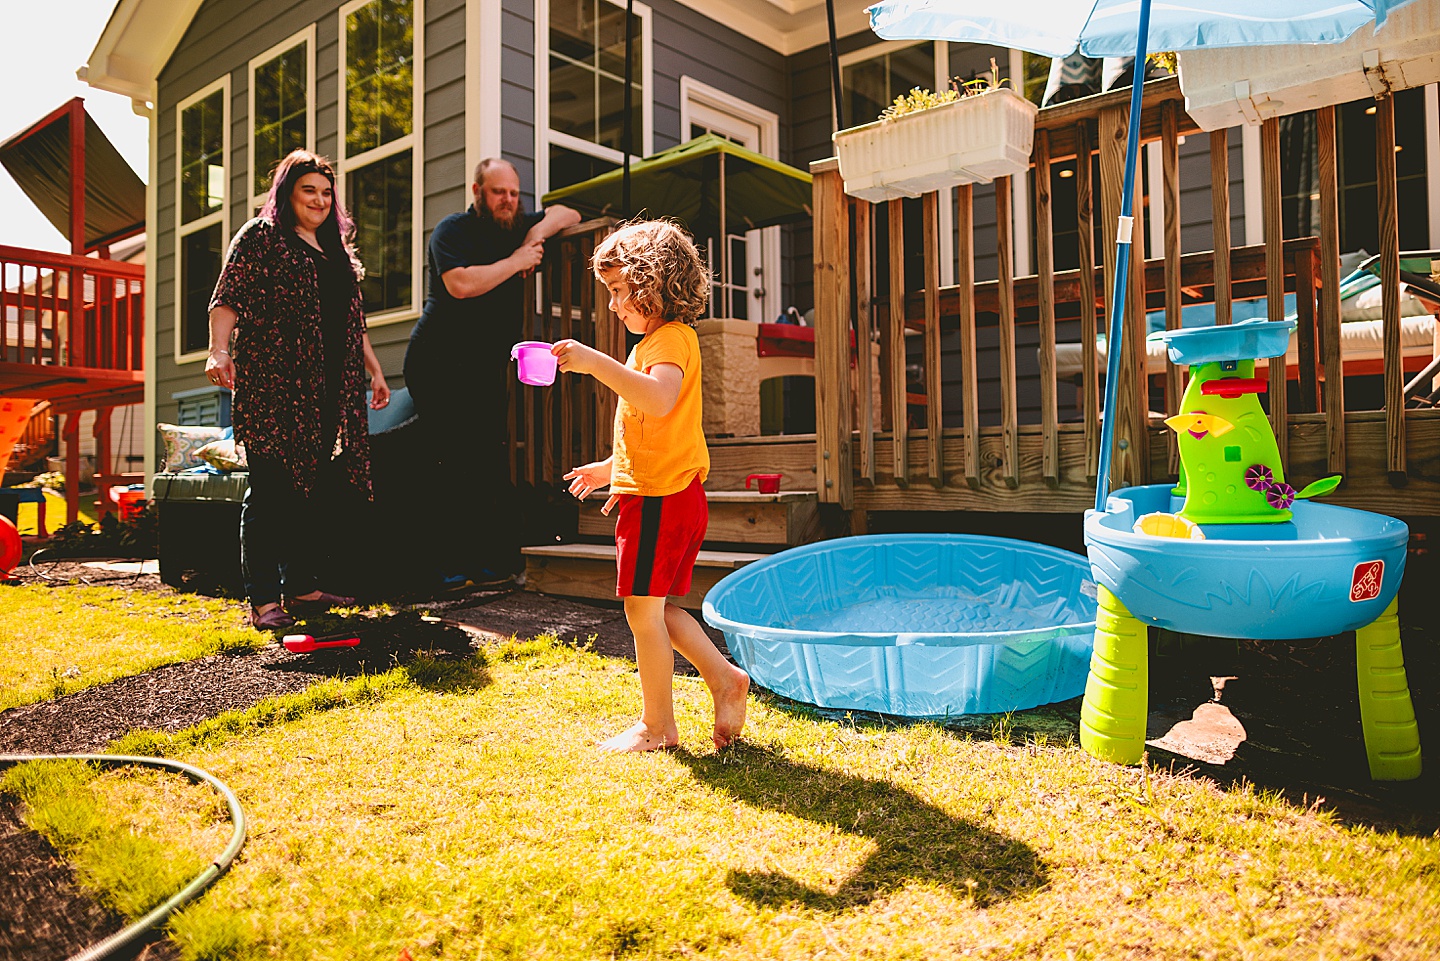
(379, 164)
(872, 84)
(202, 134)
(1355, 146)
(282, 85)
(584, 89)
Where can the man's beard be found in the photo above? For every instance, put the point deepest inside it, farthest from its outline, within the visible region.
(509, 224)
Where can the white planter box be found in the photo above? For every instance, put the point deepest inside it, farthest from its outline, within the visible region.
(1228, 86)
(970, 140)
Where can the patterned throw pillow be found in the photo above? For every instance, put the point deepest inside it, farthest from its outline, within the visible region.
(182, 443)
(224, 455)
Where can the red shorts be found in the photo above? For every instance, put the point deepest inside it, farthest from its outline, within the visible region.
(656, 540)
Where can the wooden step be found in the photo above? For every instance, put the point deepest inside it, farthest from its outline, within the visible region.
(588, 570)
(736, 517)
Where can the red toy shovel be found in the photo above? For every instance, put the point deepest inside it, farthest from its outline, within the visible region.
(304, 643)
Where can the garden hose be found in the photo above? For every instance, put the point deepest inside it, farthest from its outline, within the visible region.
(131, 935)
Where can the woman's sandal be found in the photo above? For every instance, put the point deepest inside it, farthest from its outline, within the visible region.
(275, 619)
(318, 605)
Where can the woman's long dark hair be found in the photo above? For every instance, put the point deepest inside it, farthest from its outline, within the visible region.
(336, 234)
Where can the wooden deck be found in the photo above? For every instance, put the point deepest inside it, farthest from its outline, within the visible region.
(1390, 456)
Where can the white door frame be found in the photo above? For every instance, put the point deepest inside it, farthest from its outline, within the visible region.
(693, 94)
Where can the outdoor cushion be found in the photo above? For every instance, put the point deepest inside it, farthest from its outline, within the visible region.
(183, 443)
(399, 412)
(224, 454)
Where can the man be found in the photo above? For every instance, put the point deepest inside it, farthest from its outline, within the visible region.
(457, 365)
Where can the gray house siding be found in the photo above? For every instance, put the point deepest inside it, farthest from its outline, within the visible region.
(223, 37)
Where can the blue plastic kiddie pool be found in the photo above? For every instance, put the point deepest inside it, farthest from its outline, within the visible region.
(919, 625)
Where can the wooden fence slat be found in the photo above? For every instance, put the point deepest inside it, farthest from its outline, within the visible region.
(528, 474)
(836, 473)
(1220, 220)
(1334, 388)
(1305, 342)
(969, 368)
(1170, 165)
(587, 333)
(1085, 222)
(566, 447)
(1129, 422)
(934, 372)
(864, 329)
(549, 280)
(1390, 287)
(1004, 256)
(1274, 274)
(1133, 355)
(1045, 270)
(895, 336)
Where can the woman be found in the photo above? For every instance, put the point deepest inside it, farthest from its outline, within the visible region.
(288, 303)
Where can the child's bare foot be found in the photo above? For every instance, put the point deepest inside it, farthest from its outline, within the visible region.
(730, 709)
(638, 737)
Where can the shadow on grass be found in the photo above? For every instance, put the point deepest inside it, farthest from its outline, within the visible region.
(914, 840)
(437, 656)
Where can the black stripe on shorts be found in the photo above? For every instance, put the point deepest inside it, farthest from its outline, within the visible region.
(645, 550)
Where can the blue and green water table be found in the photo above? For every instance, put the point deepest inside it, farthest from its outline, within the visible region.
(1235, 551)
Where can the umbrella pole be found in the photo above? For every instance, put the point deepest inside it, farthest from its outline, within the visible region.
(1115, 337)
(629, 132)
(835, 67)
(724, 248)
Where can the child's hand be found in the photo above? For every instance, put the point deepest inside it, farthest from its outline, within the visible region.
(576, 358)
(584, 481)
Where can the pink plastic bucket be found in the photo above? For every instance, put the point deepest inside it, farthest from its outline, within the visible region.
(535, 362)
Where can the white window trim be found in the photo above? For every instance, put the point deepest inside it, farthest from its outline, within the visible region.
(413, 141)
(221, 216)
(544, 136)
(693, 93)
(307, 37)
(483, 90)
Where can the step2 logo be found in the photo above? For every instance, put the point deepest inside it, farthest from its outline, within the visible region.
(1365, 582)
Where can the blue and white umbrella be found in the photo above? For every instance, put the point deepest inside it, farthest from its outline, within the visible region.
(1111, 28)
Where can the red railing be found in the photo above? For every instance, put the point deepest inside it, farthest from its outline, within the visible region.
(63, 310)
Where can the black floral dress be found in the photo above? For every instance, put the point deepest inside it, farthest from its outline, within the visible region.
(274, 290)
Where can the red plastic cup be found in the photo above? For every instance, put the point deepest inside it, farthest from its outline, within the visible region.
(768, 483)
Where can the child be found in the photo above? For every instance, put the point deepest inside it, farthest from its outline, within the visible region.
(658, 287)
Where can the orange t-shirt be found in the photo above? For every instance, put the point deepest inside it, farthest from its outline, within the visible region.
(655, 456)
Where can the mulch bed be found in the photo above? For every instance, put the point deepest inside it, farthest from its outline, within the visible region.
(1296, 701)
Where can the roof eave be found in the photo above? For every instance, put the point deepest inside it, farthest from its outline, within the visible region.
(135, 45)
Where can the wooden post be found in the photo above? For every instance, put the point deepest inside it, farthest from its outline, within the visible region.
(70, 434)
(895, 337)
(1304, 267)
(1330, 361)
(101, 432)
(529, 392)
(1085, 222)
(1045, 288)
(588, 330)
(934, 374)
(832, 337)
(1170, 165)
(1390, 287)
(1220, 220)
(969, 374)
(1005, 288)
(864, 328)
(1274, 274)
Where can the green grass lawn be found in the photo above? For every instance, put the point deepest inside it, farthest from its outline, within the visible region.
(55, 642)
(464, 812)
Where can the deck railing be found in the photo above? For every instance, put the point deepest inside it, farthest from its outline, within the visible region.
(570, 422)
(1050, 465)
(64, 310)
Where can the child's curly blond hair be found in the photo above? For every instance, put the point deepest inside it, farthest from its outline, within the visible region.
(658, 260)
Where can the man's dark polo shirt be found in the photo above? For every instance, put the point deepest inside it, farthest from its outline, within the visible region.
(481, 328)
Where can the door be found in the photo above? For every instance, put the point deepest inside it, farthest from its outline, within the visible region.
(750, 289)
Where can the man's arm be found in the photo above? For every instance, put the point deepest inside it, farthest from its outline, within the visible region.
(464, 282)
(556, 219)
